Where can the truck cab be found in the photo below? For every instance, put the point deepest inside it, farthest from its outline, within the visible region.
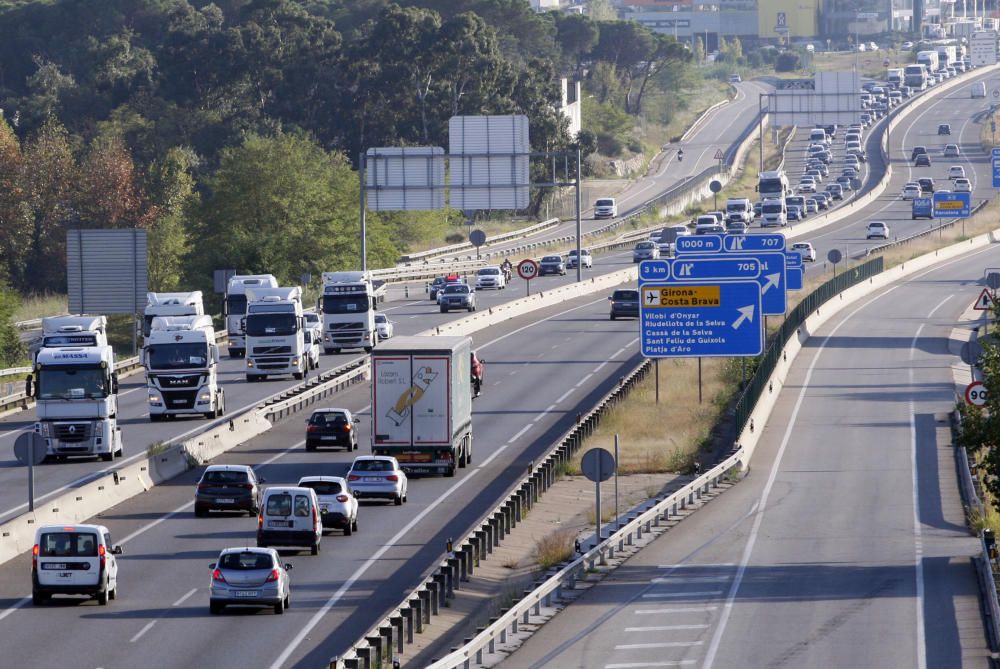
(275, 344)
(181, 361)
(348, 306)
(235, 307)
(74, 331)
(170, 304)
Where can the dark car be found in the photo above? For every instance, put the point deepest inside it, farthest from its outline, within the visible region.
(917, 150)
(926, 185)
(436, 285)
(923, 160)
(551, 265)
(624, 303)
(944, 129)
(228, 488)
(331, 428)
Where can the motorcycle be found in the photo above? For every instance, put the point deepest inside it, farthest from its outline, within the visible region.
(506, 269)
(680, 156)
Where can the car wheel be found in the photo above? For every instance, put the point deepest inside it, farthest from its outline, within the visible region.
(398, 500)
(113, 594)
(336, 351)
(215, 609)
(107, 457)
(102, 597)
(612, 317)
(37, 598)
(310, 447)
(348, 530)
(354, 524)
(155, 417)
(200, 512)
(314, 549)
(279, 608)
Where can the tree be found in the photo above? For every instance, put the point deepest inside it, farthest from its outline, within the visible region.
(787, 61)
(980, 433)
(602, 10)
(576, 35)
(699, 50)
(107, 193)
(171, 188)
(12, 350)
(14, 229)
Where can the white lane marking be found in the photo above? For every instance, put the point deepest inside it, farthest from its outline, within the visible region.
(643, 665)
(533, 324)
(664, 644)
(692, 609)
(678, 579)
(493, 456)
(676, 595)
(583, 380)
(549, 409)
(666, 628)
(185, 597)
(696, 566)
(564, 395)
(918, 541)
(519, 434)
(145, 629)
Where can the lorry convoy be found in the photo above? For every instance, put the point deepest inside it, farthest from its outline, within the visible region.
(275, 344)
(422, 403)
(181, 361)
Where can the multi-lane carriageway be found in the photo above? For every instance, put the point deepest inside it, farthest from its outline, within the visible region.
(542, 369)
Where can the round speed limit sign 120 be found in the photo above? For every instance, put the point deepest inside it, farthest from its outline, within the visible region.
(527, 269)
(975, 394)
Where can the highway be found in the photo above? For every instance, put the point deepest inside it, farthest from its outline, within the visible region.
(846, 544)
(542, 369)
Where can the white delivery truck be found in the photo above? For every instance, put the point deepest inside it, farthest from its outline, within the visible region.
(235, 307)
(170, 304)
(182, 361)
(422, 403)
(928, 59)
(275, 344)
(348, 305)
(773, 184)
(774, 212)
(76, 394)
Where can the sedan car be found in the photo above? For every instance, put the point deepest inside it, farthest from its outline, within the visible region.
(923, 160)
(944, 129)
(377, 477)
(551, 265)
(812, 206)
(845, 183)
(822, 201)
(836, 191)
(227, 488)
(951, 151)
(385, 327)
(646, 250)
(805, 249)
(434, 287)
(249, 577)
(588, 260)
(624, 302)
(877, 230)
(332, 428)
(794, 214)
(490, 277)
(911, 190)
(963, 186)
(807, 186)
(956, 172)
(457, 296)
(337, 504)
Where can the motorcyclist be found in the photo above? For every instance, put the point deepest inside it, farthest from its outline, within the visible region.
(477, 374)
(680, 155)
(506, 268)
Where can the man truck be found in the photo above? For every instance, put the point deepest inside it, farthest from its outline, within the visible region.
(275, 344)
(181, 361)
(422, 403)
(76, 394)
(170, 304)
(235, 307)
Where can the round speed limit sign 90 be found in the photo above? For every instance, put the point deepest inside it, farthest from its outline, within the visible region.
(975, 394)
(527, 269)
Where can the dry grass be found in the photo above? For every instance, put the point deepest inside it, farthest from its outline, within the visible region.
(868, 63)
(39, 306)
(554, 548)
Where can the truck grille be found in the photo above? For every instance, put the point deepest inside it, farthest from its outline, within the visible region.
(272, 363)
(72, 433)
(334, 327)
(172, 382)
(179, 399)
(271, 350)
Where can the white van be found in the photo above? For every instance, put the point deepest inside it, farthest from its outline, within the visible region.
(979, 89)
(739, 209)
(313, 338)
(818, 135)
(74, 560)
(290, 516)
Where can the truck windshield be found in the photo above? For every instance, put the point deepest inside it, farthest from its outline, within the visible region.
(55, 341)
(236, 305)
(263, 325)
(736, 206)
(345, 304)
(72, 383)
(178, 356)
(771, 186)
(771, 208)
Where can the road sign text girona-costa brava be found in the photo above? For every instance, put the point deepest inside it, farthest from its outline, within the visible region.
(681, 296)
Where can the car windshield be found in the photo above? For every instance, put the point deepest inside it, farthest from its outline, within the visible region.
(551, 259)
(224, 476)
(72, 384)
(381, 318)
(177, 355)
(323, 487)
(372, 466)
(645, 245)
(68, 544)
(248, 561)
(455, 288)
(604, 203)
(489, 271)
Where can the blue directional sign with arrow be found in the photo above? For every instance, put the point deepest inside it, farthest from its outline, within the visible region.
(725, 266)
(995, 162)
(753, 243)
(684, 320)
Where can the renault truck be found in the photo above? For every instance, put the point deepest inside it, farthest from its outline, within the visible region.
(275, 343)
(348, 305)
(76, 401)
(182, 360)
(235, 307)
(422, 403)
(74, 331)
(170, 304)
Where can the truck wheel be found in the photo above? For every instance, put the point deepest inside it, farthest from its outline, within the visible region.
(443, 310)
(450, 472)
(155, 417)
(209, 415)
(298, 376)
(368, 349)
(335, 351)
(107, 457)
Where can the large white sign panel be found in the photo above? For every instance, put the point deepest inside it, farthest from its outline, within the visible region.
(983, 48)
(835, 99)
(488, 162)
(405, 179)
(106, 271)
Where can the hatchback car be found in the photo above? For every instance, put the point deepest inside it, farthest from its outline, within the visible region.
(944, 129)
(963, 186)
(926, 185)
(588, 260)
(911, 190)
(435, 287)
(378, 477)
(337, 503)
(794, 214)
(737, 227)
(249, 577)
(815, 174)
(807, 186)
(836, 191)
(917, 150)
(646, 250)
(228, 488)
(624, 302)
(811, 206)
(822, 201)
(735, 78)
(551, 265)
(923, 160)
(805, 249)
(951, 151)
(385, 327)
(332, 428)
(877, 230)
(457, 296)
(490, 277)
(845, 183)
(956, 172)
(74, 560)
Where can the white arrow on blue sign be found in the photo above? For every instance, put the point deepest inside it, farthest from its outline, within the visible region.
(753, 243)
(727, 267)
(681, 320)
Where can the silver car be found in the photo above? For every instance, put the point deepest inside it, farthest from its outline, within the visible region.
(457, 296)
(646, 250)
(249, 577)
(377, 477)
(551, 265)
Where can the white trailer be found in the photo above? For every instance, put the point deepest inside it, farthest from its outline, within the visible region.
(182, 360)
(275, 343)
(235, 307)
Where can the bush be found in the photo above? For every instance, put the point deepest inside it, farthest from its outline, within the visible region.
(788, 61)
(12, 350)
(455, 238)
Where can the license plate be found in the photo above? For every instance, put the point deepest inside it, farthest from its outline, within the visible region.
(373, 478)
(328, 438)
(323, 507)
(226, 500)
(54, 565)
(247, 593)
(279, 523)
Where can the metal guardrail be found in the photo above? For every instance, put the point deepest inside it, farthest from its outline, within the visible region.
(430, 269)
(513, 234)
(931, 230)
(985, 562)
(326, 384)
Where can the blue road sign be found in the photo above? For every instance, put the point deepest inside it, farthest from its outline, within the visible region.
(687, 320)
(995, 152)
(698, 244)
(794, 278)
(952, 205)
(793, 259)
(654, 270)
(753, 243)
(995, 162)
(728, 267)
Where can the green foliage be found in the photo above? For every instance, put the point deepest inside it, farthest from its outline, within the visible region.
(787, 61)
(980, 432)
(610, 125)
(12, 350)
(172, 190)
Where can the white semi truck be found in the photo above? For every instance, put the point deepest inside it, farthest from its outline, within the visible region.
(170, 304)
(235, 309)
(275, 343)
(76, 394)
(422, 403)
(181, 361)
(74, 331)
(348, 304)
